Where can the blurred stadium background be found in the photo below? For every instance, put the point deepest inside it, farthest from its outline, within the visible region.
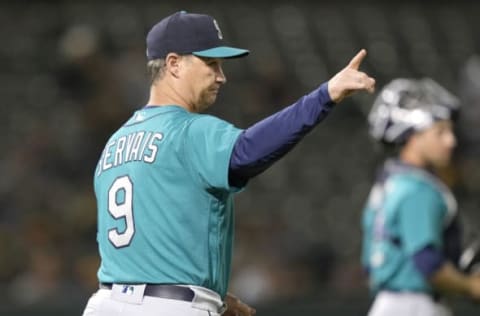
(72, 72)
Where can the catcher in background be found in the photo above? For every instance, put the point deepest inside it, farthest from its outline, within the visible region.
(411, 236)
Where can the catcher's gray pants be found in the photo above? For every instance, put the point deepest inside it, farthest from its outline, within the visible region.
(407, 303)
(118, 302)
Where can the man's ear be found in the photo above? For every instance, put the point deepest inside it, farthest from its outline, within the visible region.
(172, 64)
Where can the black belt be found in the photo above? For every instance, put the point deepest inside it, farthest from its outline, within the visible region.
(172, 292)
(435, 296)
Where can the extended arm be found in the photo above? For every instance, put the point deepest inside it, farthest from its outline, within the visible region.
(259, 146)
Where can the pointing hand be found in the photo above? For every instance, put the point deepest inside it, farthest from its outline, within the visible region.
(350, 80)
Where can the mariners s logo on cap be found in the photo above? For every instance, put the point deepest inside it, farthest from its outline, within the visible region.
(219, 32)
(189, 33)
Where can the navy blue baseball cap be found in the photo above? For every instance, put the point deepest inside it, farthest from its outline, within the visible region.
(189, 33)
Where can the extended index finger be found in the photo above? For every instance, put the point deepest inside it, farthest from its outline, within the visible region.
(357, 60)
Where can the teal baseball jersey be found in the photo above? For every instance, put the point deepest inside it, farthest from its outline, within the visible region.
(165, 206)
(408, 209)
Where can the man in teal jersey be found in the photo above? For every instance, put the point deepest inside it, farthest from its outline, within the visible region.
(166, 179)
(411, 243)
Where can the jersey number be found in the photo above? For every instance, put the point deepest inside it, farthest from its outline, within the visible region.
(123, 209)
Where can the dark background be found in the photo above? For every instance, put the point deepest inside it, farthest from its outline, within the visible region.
(72, 72)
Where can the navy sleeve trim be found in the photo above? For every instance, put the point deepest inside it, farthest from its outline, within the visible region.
(259, 146)
(428, 260)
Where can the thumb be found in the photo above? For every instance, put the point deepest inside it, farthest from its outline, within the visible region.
(357, 60)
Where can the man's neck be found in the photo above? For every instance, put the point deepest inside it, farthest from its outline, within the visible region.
(411, 158)
(162, 94)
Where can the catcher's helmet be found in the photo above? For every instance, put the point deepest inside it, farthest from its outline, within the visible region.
(404, 106)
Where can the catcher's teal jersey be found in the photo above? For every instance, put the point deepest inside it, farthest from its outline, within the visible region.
(408, 209)
(165, 208)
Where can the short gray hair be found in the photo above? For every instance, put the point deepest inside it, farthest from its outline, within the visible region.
(156, 69)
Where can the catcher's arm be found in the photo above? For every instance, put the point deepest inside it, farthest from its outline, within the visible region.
(449, 279)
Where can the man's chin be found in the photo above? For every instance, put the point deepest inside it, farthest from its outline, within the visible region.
(442, 163)
(205, 105)
(210, 101)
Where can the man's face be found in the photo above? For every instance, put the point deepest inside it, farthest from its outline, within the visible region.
(435, 145)
(203, 76)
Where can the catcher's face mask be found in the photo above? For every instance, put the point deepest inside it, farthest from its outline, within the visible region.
(405, 106)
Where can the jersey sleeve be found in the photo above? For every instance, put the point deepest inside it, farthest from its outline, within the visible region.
(265, 142)
(421, 216)
(208, 147)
